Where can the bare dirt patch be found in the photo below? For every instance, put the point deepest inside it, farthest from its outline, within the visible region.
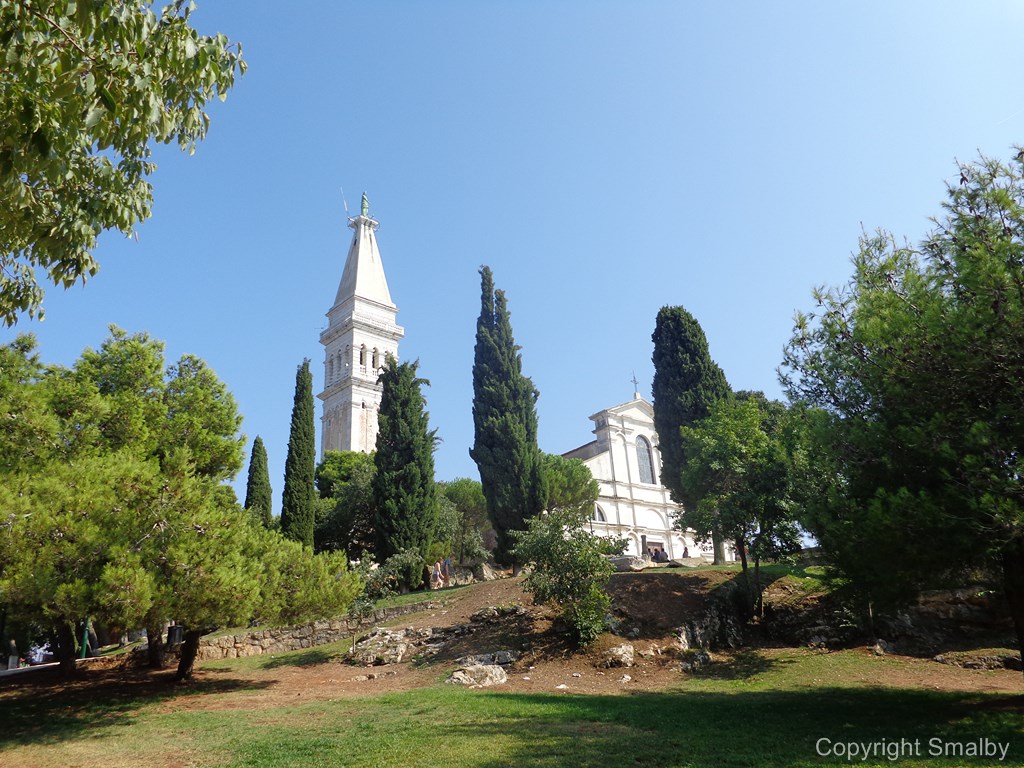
(655, 603)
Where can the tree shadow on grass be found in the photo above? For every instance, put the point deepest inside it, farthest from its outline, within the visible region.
(740, 665)
(766, 729)
(52, 709)
(309, 658)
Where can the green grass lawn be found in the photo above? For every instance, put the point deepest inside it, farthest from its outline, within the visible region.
(758, 710)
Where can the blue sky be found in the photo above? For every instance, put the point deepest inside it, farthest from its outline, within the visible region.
(604, 158)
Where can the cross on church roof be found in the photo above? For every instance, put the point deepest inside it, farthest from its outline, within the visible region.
(636, 385)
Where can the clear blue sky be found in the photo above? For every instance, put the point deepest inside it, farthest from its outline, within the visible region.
(604, 158)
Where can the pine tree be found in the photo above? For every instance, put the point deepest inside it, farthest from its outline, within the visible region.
(505, 423)
(403, 486)
(687, 382)
(257, 488)
(299, 490)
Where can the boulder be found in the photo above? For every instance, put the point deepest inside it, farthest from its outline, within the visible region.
(478, 675)
(625, 563)
(618, 656)
(381, 646)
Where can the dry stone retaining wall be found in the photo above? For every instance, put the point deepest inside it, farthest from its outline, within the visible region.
(281, 639)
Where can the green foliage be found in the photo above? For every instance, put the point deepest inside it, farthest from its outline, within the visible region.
(346, 519)
(571, 486)
(467, 497)
(405, 498)
(917, 364)
(111, 521)
(687, 383)
(742, 466)
(297, 510)
(569, 568)
(505, 423)
(85, 88)
(258, 499)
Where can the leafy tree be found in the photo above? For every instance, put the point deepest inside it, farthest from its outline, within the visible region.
(405, 497)
(344, 480)
(741, 466)
(687, 383)
(467, 497)
(570, 484)
(505, 423)
(258, 498)
(85, 89)
(918, 365)
(300, 465)
(569, 566)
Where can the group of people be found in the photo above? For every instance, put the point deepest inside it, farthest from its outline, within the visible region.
(659, 555)
(441, 573)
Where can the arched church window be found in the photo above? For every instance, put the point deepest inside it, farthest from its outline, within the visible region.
(362, 357)
(330, 369)
(645, 459)
(599, 515)
(376, 359)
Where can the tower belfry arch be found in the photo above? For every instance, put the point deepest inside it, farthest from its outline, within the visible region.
(361, 331)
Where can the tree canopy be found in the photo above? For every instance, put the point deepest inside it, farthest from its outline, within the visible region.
(405, 498)
(109, 510)
(258, 496)
(297, 502)
(85, 88)
(918, 366)
(505, 422)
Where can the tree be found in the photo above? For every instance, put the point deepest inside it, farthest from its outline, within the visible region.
(345, 521)
(405, 497)
(258, 498)
(918, 365)
(300, 464)
(467, 496)
(570, 483)
(104, 522)
(85, 89)
(505, 423)
(687, 383)
(741, 466)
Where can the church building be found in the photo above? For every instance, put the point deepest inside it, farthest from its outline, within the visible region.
(632, 503)
(360, 333)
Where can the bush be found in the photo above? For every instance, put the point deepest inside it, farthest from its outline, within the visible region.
(569, 569)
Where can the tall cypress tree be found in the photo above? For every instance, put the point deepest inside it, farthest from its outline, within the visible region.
(403, 486)
(257, 487)
(505, 423)
(300, 466)
(687, 382)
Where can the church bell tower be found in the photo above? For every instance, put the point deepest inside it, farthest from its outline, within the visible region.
(360, 333)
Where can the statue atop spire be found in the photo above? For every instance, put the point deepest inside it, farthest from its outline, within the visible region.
(366, 206)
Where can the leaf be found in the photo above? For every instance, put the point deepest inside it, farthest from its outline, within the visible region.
(107, 99)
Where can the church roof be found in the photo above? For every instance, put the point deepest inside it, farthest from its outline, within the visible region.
(364, 271)
(637, 408)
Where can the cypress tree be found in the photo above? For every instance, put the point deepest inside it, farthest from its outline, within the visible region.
(687, 382)
(299, 490)
(403, 486)
(505, 423)
(257, 486)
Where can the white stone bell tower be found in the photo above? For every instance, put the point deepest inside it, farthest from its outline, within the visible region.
(361, 331)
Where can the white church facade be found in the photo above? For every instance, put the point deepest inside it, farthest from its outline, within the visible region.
(632, 504)
(361, 331)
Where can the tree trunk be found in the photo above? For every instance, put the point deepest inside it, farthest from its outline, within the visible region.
(1013, 585)
(718, 546)
(189, 649)
(155, 647)
(748, 604)
(66, 648)
(758, 596)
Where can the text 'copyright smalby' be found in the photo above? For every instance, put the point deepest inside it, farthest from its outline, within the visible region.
(901, 749)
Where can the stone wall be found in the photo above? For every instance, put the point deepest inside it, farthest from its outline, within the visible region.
(281, 639)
